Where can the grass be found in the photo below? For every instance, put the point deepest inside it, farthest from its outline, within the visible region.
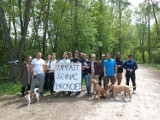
(157, 66)
(10, 88)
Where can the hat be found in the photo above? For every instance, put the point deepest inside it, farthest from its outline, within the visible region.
(130, 55)
(118, 53)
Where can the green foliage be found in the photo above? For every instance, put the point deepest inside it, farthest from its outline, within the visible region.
(90, 27)
(156, 56)
(157, 66)
(9, 88)
(5, 73)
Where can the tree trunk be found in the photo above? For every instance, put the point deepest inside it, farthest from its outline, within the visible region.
(37, 21)
(24, 30)
(156, 21)
(8, 44)
(45, 29)
(20, 14)
(149, 44)
(14, 24)
(76, 24)
(119, 26)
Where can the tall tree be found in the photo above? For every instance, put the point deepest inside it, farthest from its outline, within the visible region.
(8, 43)
(149, 41)
(46, 14)
(154, 6)
(24, 27)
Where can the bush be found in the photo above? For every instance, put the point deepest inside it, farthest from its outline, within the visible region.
(5, 72)
(10, 88)
(156, 56)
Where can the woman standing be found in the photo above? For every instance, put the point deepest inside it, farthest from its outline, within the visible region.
(26, 74)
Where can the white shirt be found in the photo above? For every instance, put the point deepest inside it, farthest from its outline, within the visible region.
(38, 65)
(92, 66)
(51, 65)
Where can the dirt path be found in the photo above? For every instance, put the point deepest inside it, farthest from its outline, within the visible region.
(144, 104)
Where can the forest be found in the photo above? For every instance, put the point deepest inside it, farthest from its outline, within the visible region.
(90, 26)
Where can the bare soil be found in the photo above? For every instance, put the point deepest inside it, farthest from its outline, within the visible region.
(145, 105)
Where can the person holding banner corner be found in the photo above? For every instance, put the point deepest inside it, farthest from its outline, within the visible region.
(75, 60)
(85, 71)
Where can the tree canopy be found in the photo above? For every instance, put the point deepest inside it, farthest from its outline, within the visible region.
(90, 26)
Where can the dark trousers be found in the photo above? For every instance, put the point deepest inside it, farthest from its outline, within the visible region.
(24, 88)
(100, 79)
(46, 82)
(106, 81)
(112, 80)
(51, 82)
(133, 79)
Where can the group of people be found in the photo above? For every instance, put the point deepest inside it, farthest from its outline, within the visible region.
(106, 69)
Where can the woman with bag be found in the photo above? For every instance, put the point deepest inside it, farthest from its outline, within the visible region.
(26, 75)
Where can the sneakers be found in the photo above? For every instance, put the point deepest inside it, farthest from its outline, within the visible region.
(134, 91)
(89, 94)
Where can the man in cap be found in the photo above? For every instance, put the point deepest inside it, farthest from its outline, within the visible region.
(130, 65)
(119, 63)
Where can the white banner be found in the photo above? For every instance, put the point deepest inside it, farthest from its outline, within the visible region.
(68, 77)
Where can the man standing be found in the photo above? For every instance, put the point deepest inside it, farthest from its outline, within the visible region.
(94, 70)
(85, 71)
(119, 63)
(101, 65)
(69, 55)
(109, 70)
(46, 78)
(130, 65)
(38, 68)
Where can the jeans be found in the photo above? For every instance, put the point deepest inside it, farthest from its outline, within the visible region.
(87, 82)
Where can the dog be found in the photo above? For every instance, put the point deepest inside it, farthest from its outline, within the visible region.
(99, 90)
(120, 88)
(30, 95)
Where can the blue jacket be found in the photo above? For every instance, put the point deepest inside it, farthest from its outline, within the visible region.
(130, 64)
